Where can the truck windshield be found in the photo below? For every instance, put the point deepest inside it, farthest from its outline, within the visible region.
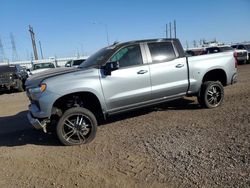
(95, 59)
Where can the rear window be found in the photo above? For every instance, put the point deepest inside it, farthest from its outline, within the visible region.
(161, 52)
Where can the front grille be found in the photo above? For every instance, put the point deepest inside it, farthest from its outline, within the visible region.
(5, 78)
(241, 54)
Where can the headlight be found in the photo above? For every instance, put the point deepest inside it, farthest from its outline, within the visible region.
(39, 89)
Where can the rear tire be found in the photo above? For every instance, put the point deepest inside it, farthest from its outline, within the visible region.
(76, 126)
(211, 94)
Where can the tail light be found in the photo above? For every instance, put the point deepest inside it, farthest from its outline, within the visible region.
(235, 59)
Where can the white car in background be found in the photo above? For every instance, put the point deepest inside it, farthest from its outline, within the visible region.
(243, 52)
(41, 67)
(74, 62)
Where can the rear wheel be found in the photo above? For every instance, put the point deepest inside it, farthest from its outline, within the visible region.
(211, 94)
(76, 126)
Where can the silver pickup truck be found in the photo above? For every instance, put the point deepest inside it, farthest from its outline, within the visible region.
(124, 77)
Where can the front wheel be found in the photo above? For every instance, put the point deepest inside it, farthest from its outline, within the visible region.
(211, 94)
(76, 126)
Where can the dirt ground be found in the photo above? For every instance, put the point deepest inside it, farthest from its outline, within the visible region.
(176, 144)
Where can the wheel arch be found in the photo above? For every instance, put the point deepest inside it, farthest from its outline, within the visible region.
(215, 75)
(84, 99)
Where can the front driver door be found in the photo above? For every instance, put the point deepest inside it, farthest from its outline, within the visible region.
(130, 84)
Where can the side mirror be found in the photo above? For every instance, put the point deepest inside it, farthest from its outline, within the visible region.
(110, 66)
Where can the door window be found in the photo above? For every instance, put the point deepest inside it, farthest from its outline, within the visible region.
(161, 52)
(128, 56)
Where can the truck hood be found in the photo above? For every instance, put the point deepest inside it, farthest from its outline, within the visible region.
(36, 79)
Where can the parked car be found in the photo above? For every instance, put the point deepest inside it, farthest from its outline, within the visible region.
(217, 49)
(195, 51)
(124, 77)
(12, 77)
(243, 51)
(41, 67)
(74, 63)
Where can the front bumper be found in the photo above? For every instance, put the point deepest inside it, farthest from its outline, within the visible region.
(36, 123)
(242, 58)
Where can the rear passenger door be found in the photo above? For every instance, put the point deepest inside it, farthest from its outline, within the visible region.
(169, 73)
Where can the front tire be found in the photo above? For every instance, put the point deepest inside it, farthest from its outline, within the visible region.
(76, 126)
(211, 94)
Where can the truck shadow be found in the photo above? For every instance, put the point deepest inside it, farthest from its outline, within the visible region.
(16, 131)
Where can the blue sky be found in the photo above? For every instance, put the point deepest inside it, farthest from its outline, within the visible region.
(67, 26)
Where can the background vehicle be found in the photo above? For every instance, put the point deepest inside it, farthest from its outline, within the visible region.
(125, 77)
(241, 55)
(40, 67)
(195, 51)
(217, 49)
(244, 49)
(12, 77)
(74, 63)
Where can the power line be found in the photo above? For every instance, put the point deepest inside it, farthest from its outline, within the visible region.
(13, 45)
(2, 54)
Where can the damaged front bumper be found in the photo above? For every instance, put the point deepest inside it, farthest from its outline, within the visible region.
(37, 123)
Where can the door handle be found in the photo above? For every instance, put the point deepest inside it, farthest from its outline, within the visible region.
(142, 72)
(179, 65)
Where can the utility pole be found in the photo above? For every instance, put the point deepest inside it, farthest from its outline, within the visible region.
(174, 29)
(14, 51)
(41, 51)
(2, 55)
(187, 44)
(107, 33)
(195, 44)
(166, 30)
(170, 29)
(32, 35)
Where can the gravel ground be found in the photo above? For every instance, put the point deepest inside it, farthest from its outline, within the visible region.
(176, 144)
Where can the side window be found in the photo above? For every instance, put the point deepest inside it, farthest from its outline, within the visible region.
(128, 56)
(161, 52)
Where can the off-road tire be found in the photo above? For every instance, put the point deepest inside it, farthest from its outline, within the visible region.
(70, 125)
(211, 94)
